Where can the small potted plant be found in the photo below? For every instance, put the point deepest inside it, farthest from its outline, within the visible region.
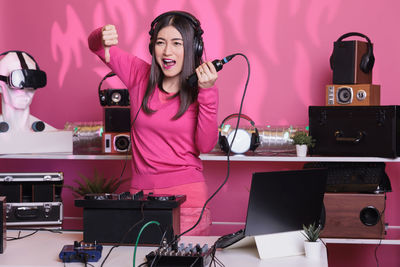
(95, 185)
(302, 140)
(312, 245)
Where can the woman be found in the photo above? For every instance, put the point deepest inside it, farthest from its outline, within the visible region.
(173, 121)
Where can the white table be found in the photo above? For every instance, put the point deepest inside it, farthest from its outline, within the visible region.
(42, 249)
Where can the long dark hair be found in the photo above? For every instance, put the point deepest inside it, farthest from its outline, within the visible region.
(191, 61)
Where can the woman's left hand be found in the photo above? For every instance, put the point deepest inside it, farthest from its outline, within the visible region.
(206, 74)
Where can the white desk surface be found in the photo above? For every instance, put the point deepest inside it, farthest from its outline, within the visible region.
(42, 249)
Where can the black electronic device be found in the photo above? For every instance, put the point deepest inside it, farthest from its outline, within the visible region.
(283, 201)
(113, 97)
(81, 252)
(354, 177)
(244, 141)
(364, 131)
(352, 61)
(180, 255)
(117, 120)
(3, 228)
(109, 219)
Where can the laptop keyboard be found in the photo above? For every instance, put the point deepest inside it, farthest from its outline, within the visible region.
(229, 239)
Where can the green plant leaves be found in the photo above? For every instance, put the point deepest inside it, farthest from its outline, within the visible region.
(312, 232)
(96, 184)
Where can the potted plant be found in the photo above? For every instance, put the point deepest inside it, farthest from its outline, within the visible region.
(312, 245)
(302, 140)
(97, 184)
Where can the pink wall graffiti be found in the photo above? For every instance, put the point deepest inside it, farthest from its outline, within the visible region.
(288, 44)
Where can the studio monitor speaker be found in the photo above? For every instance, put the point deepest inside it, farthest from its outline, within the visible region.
(346, 62)
(351, 215)
(117, 119)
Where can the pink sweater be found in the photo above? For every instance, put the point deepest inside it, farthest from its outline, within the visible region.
(165, 152)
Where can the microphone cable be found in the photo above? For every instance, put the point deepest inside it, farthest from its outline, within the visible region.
(229, 150)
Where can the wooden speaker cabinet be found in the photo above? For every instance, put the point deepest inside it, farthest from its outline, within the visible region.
(351, 215)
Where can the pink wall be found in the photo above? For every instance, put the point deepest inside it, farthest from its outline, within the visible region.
(287, 42)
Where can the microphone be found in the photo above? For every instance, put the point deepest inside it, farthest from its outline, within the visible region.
(192, 79)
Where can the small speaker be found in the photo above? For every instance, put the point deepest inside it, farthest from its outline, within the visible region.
(3, 233)
(346, 59)
(354, 215)
(117, 119)
(353, 95)
(116, 143)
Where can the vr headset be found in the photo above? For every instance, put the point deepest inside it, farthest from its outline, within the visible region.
(25, 77)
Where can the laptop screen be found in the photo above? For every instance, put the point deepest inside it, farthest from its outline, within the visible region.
(283, 201)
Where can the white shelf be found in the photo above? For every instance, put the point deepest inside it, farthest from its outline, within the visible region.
(361, 241)
(65, 156)
(205, 157)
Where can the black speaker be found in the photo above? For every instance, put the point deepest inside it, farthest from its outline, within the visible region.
(3, 233)
(352, 61)
(117, 119)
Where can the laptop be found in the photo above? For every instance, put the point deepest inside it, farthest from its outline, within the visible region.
(281, 201)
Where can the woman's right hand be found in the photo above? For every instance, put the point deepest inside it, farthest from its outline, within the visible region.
(109, 38)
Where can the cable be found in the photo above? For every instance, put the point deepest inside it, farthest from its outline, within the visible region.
(125, 235)
(381, 228)
(137, 239)
(229, 150)
(21, 237)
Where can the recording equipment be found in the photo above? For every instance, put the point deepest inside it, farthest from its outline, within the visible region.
(218, 64)
(353, 95)
(354, 215)
(180, 255)
(3, 228)
(109, 219)
(113, 97)
(115, 143)
(352, 61)
(366, 131)
(24, 77)
(81, 252)
(355, 177)
(117, 119)
(198, 32)
(4, 127)
(243, 140)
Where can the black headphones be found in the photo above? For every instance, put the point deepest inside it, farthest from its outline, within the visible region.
(367, 60)
(223, 140)
(198, 32)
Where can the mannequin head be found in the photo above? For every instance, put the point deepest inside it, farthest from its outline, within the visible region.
(13, 98)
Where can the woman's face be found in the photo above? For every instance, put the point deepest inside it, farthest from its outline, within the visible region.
(169, 51)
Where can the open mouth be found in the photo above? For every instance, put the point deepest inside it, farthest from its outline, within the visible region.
(168, 63)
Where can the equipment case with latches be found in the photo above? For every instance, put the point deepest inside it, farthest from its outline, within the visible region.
(34, 213)
(364, 131)
(33, 198)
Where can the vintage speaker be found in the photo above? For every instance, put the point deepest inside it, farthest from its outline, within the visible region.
(3, 233)
(116, 143)
(346, 61)
(353, 95)
(361, 131)
(117, 119)
(354, 215)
